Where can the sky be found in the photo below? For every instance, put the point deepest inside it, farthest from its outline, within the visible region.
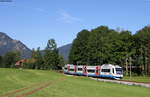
(34, 22)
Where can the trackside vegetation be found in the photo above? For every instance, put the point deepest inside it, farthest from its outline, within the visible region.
(63, 86)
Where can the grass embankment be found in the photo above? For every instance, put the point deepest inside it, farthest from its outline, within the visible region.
(64, 86)
(145, 79)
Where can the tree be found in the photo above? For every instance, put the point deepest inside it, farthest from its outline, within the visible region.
(36, 55)
(61, 62)
(51, 57)
(1, 61)
(39, 59)
(142, 44)
(123, 49)
(11, 58)
(79, 50)
(101, 45)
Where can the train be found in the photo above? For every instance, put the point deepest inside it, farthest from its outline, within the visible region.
(104, 71)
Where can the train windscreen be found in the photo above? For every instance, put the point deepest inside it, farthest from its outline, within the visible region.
(119, 70)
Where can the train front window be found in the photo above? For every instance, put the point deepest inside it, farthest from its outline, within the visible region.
(119, 70)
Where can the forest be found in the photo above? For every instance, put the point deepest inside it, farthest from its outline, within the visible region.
(103, 45)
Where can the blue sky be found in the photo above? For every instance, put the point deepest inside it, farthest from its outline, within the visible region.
(35, 21)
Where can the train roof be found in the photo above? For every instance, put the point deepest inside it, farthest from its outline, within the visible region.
(117, 66)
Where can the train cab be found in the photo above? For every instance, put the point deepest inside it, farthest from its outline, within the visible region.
(118, 72)
(111, 71)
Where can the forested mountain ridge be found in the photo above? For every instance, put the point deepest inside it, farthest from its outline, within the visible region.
(8, 44)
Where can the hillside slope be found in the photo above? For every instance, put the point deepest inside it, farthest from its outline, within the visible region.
(8, 44)
(65, 50)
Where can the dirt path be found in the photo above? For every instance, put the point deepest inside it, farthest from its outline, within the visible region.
(32, 89)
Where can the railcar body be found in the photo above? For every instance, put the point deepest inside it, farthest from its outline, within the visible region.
(104, 71)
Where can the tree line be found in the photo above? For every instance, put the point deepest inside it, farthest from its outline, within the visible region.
(103, 45)
(46, 59)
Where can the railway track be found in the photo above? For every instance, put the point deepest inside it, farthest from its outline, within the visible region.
(126, 82)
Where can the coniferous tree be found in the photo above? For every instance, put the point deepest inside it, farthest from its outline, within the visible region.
(51, 57)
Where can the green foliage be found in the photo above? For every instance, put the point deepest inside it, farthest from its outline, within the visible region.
(100, 45)
(36, 61)
(10, 58)
(103, 45)
(51, 57)
(61, 62)
(79, 51)
(1, 61)
(142, 47)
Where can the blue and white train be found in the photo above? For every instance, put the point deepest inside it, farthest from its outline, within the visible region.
(104, 71)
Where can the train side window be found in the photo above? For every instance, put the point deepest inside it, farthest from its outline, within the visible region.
(105, 70)
(79, 69)
(113, 70)
(71, 70)
(91, 71)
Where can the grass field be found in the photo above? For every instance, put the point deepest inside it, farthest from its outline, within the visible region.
(138, 78)
(62, 86)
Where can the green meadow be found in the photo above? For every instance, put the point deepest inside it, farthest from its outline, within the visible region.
(145, 79)
(61, 85)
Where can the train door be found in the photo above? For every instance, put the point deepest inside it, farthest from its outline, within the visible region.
(75, 68)
(97, 70)
(84, 70)
(68, 68)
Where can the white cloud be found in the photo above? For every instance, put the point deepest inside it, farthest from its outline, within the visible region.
(67, 17)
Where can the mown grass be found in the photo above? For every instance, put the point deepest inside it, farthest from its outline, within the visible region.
(138, 78)
(65, 86)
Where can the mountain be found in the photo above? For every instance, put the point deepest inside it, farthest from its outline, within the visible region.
(8, 44)
(65, 50)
